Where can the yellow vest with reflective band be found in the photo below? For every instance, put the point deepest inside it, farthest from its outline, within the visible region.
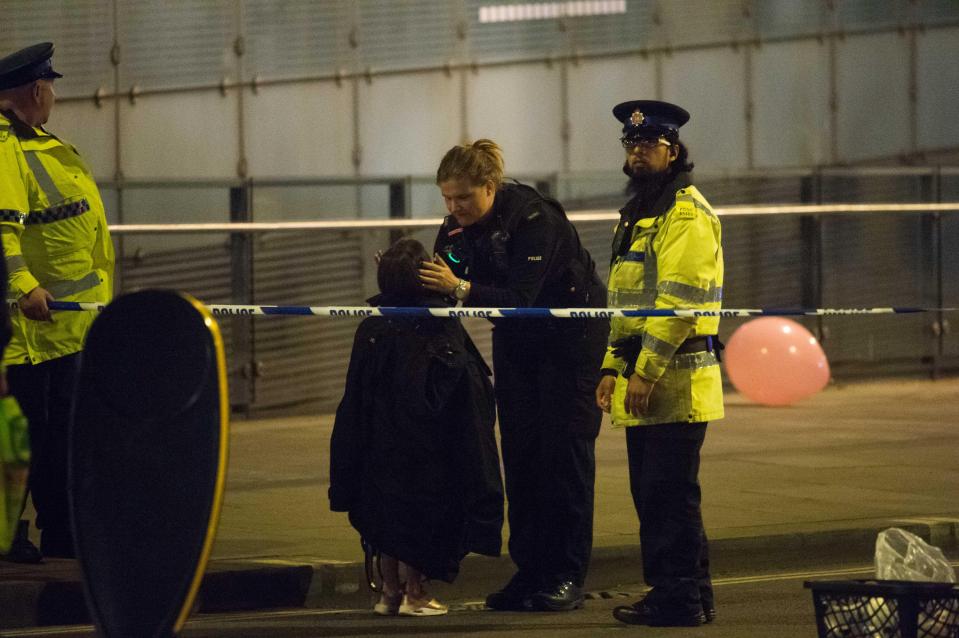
(55, 235)
(674, 260)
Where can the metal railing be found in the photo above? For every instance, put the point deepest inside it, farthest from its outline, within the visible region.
(806, 250)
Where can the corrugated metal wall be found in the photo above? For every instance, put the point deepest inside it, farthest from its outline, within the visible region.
(303, 359)
(292, 364)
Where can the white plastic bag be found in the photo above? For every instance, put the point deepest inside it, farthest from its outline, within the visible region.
(901, 555)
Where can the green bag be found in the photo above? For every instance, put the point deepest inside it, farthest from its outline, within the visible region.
(14, 466)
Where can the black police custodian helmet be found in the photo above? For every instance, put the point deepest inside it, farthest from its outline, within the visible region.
(650, 119)
(27, 65)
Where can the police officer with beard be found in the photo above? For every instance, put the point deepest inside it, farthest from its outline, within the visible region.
(506, 245)
(661, 379)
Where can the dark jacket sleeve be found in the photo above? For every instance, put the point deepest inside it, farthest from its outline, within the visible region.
(348, 439)
(535, 251)
(476, 460)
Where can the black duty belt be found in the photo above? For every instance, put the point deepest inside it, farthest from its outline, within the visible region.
(702, 343)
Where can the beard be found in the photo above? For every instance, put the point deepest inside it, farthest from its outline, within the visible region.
(645, 184)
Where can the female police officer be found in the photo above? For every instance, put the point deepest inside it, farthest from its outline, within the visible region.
(506, 245)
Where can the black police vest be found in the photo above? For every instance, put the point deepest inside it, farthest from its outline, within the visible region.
(481, 253)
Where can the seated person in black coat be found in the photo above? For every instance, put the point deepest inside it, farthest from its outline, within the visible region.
(413, 457)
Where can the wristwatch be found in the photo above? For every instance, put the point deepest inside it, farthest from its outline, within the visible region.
(461, 290)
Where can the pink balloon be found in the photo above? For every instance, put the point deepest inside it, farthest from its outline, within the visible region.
(775, 361)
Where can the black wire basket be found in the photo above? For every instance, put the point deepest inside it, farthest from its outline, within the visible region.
(885, 609)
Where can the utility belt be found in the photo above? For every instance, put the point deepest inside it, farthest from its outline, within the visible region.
(702, 343)
(628, 349)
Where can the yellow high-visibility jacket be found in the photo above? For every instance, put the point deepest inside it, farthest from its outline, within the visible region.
(675, 260)
(54, 234)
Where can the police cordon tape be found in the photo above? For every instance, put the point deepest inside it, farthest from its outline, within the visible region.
(222, 310)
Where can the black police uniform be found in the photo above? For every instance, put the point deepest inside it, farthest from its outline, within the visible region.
(526, 253)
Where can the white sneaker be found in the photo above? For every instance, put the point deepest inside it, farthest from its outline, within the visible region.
(414, 607)
(388, 605)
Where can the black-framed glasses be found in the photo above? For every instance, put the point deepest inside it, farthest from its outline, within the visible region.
(645, 143)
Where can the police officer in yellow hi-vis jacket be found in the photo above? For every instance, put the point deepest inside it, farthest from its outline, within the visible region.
(57, 247)
(661, 377)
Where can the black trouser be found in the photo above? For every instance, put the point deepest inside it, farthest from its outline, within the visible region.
(45, 394)
(664, 479)
(548, 420)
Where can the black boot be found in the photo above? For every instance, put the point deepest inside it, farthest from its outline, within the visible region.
(564, 596)
(514, 596)
(644, 613)
(21, 549)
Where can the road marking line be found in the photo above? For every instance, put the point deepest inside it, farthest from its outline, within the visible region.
(207, 619)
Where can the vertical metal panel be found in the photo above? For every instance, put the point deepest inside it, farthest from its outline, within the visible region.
(304, 203)
(290, 38)
(871, 264)
(763, 257)
(407, 33)
(688, 22)
(374, 200)
(303, 360)
(521, 40)
(91, 130)
(179, 136)
(595, 87)
(950, 280)
(518, 107)
(865, 14)
(638, 27)
(873, 77)
(759, 188)
(709, 84)
(82, 31)
(938, 88)
(932, 11)
(151, 205)
(186, 43)
(415, 127)
(881, 186)
(300, 130)
(790, 104)
(949, 192)
(783, 18)
(425, 198)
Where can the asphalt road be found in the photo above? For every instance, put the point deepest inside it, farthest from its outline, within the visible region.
(757, 605)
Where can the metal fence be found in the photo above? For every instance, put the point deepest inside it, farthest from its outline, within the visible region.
(291, 364)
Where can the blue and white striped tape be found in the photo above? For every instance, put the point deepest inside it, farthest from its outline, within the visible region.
(519, 313)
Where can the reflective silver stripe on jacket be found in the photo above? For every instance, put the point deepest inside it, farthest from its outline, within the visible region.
(692, 294)
(64, 288)
(658, 346)
(15, 216)
(54, 196)
(15, 263)
(695, 202)
(631, 297)
(650, 266)
(694, 361)
(56, 213)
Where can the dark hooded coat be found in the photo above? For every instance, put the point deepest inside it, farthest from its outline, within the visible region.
(413, 457)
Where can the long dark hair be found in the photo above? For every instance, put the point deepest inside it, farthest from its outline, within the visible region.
(682, 163)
